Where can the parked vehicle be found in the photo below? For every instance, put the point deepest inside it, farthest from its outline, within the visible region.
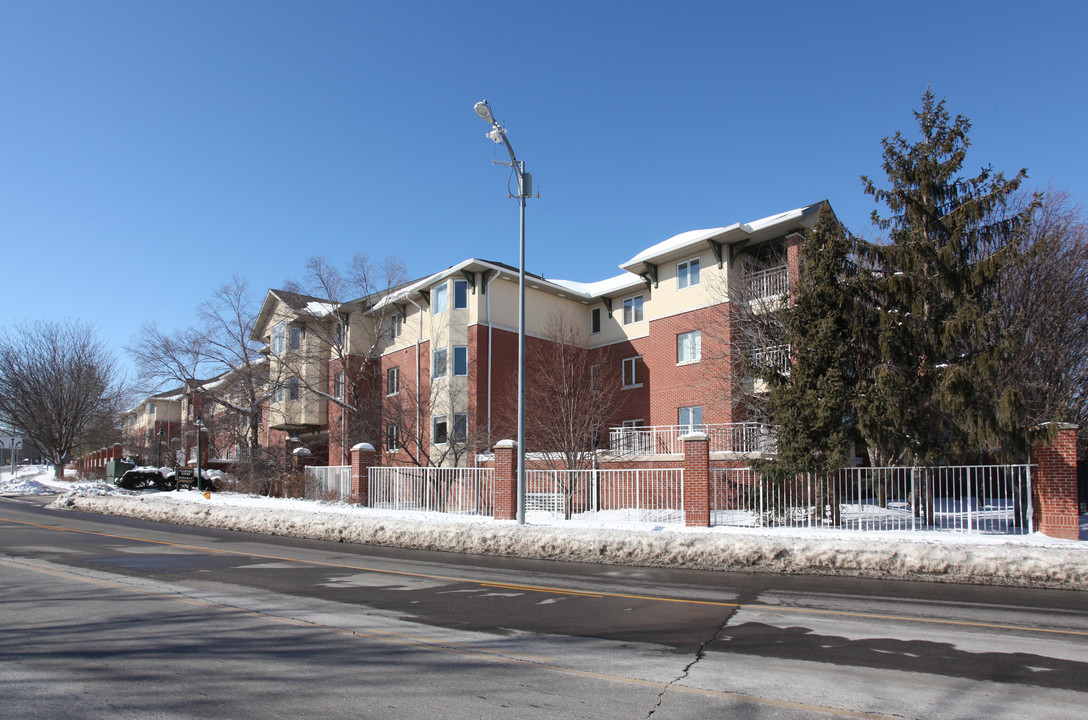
(142, 478)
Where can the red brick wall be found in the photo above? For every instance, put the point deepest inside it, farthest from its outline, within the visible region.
(1054, 486)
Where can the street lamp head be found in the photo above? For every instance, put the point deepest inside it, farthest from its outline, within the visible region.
(484, 111)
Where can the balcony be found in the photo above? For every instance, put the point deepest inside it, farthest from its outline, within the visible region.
(740, 438)
(767, 285)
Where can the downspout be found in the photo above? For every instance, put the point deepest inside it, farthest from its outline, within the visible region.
(419, 338)
(487, 291)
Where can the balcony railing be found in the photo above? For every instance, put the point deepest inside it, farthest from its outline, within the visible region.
(777, 357)
(665, 439)
(768, 284)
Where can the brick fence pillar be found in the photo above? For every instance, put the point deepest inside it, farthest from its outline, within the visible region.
(506, 480)
(303, 458)
(696, 479)
(1054, 486)
(362, 458)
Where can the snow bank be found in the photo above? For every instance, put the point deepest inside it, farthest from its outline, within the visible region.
(1034, 561)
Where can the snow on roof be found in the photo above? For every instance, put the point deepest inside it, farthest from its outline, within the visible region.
(319, 308)
(697, 237)
(601, 288)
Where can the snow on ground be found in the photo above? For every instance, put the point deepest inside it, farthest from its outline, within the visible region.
(1034, 560)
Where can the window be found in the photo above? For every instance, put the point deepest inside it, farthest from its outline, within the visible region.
(593, 370)
(689, 347)
(293, 389)
(440, 435)
(392, 381)
(338, 385)
(296, 338)
(396, 325)
(460, 294)
(277, 395)
(438, 364)
(632, 310)
(691, 418)
(440, 299)
(279, 339)
(151, 408)
(687, 273)
(633, 423)
(392, 438)
(595, 320)
(339, 332)
(460, 360)
(632, 371)
(460, 427)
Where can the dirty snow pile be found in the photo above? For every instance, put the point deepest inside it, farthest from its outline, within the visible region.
(944, 557)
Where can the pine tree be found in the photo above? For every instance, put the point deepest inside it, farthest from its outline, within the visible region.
(813, 404)
(931, 294)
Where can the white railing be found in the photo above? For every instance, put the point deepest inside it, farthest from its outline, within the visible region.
(665, 439)
(328, 483)
(655, 496)
(467, 491)
(767, 284)
(777, 357)
(975, 498)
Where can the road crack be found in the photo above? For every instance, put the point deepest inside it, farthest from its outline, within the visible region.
(700, 652)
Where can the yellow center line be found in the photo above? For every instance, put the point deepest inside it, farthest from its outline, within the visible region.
(565, 591)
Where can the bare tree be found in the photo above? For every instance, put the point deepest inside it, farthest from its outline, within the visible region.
(60, 387)
(1042, 306)
(345, 328)
(215, 360)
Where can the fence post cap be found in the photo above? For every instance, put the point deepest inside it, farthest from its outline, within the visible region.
(363, 447)
(506, 444)
(301, 451)
(694, 435)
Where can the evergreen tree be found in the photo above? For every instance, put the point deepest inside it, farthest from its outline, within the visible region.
(931, 291)
(813, 404)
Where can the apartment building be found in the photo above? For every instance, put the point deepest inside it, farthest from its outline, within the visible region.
(152, 429)
(426, 371)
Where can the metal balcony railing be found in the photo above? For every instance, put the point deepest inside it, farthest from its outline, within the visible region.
(665, 439)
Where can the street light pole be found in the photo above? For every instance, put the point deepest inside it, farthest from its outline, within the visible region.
(525, 190)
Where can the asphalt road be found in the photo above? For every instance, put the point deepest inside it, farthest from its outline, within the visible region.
(113, 618)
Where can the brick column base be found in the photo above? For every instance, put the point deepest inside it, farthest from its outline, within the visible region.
(696, 479)
(362, 459)
(506, 480)
(1054, 486)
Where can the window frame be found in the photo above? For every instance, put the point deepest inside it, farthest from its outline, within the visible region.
(445, 430)
(435, 354)
(338, 385)
(440, 291)
(294, 389)
(278, 338)
(396, 325)
(689, 426)
(460, 295)
(392, 438)
(459, 431)
(392, 381)
(462, 351)
(595, 320)
(696, 348)
(685, 281)
(636, 376)
(634, 308)
(294, 337)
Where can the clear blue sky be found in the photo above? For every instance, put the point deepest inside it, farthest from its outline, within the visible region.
(151, 150)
